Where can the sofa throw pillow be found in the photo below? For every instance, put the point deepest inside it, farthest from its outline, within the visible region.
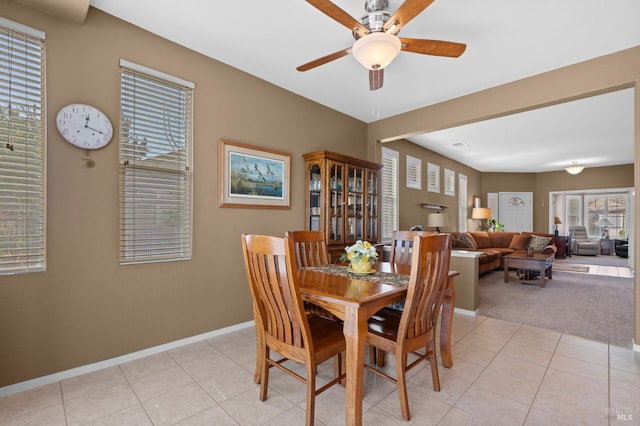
(538, 243)
(519, 242)
(468, 241)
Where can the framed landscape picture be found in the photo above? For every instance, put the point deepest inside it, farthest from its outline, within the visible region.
(253, 177)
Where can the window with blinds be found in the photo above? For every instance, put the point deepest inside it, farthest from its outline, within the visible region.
(414, 172)
(449, 182)
(22, 149)
(433, 177)
(389, 184)
(462, 203)
(155, 166)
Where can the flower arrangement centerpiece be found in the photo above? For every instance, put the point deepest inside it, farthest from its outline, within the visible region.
(361, 255)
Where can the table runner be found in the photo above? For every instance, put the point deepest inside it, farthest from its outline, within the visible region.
(397, 280)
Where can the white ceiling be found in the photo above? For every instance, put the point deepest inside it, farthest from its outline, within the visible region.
(506, 40)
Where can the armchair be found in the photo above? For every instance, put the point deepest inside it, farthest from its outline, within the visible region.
(581, 245)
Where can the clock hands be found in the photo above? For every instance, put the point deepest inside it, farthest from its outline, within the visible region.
(86, 125)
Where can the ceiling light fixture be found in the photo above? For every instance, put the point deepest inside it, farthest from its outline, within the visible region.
(376, 50)
(574, 168)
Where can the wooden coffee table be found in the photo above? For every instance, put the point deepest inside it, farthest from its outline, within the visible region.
(524, 265)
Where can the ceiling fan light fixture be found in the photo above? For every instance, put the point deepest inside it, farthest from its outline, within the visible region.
(574, 168)
(376, 50)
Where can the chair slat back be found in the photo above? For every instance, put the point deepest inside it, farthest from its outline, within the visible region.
(429, 273)
(274, 286)
(310, 248)
(401, 246)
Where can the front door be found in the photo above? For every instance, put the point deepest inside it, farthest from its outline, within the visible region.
(516, 211)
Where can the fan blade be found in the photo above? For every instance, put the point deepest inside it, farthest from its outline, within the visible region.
(406, 12)
(433, 47)
(324, 59)
(337, 14)
(376, 78)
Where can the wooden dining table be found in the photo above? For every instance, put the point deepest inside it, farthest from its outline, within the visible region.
(354, 299)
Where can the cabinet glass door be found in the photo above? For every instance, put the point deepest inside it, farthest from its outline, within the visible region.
(372, 210)
(336, 203)
(315, 199)
(355, 204)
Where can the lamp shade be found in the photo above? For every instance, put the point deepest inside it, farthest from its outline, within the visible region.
(376, 50)
(574, 168)
(604, 222)
(481, 213)
(436, 220)
(557, 221)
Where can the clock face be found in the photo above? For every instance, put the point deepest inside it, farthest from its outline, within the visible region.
(84, 126)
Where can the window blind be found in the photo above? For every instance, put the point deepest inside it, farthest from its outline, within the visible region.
(449, 182)
(462, 203)
(22, 149)
(389, 193)
(414, 172)
(433, 177)
(155, 166)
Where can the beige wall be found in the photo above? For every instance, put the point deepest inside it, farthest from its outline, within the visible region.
(541, 184)
(411, 212)
(589, 178)
(85, 307)
(611, 72)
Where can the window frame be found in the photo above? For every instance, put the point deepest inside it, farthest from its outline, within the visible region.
(414, 172)
(155, 228)
(389, 225)
(24, 156)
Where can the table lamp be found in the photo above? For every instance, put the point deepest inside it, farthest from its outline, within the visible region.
(557, 221)
(604, 225)
(436, 220)
(481, 213)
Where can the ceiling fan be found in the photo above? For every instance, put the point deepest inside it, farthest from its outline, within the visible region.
(376, 34)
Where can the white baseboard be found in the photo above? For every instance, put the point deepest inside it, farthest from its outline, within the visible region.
(89, 368)
(636, 346)
(466, 312)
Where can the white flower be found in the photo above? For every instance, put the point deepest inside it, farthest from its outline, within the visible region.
(361, 250)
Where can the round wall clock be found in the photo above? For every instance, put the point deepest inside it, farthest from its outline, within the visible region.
(84, 126)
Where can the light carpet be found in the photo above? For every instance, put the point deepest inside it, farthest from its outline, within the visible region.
(591, 306)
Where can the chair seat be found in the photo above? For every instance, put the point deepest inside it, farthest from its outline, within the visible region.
(385, 323)
(328, 338)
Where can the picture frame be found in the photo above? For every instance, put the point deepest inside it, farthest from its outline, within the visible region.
(253, 177)
(477, 201)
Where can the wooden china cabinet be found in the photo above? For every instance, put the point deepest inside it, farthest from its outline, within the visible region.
(342, 199)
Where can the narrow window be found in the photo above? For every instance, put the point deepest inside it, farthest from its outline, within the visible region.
(389, 185)
(462, 203)
(449, 182)
(22, 149)
(414, 172)
(155, 166)
(433, 177)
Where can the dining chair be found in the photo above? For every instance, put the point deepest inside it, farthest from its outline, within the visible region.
(401, 242)
(285, 327)
(401, 249)
(310, 249)
(413, 329)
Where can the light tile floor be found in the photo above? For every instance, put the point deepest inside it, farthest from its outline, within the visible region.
(503, 373)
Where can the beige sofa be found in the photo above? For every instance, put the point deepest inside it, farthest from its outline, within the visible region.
(495, 245)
